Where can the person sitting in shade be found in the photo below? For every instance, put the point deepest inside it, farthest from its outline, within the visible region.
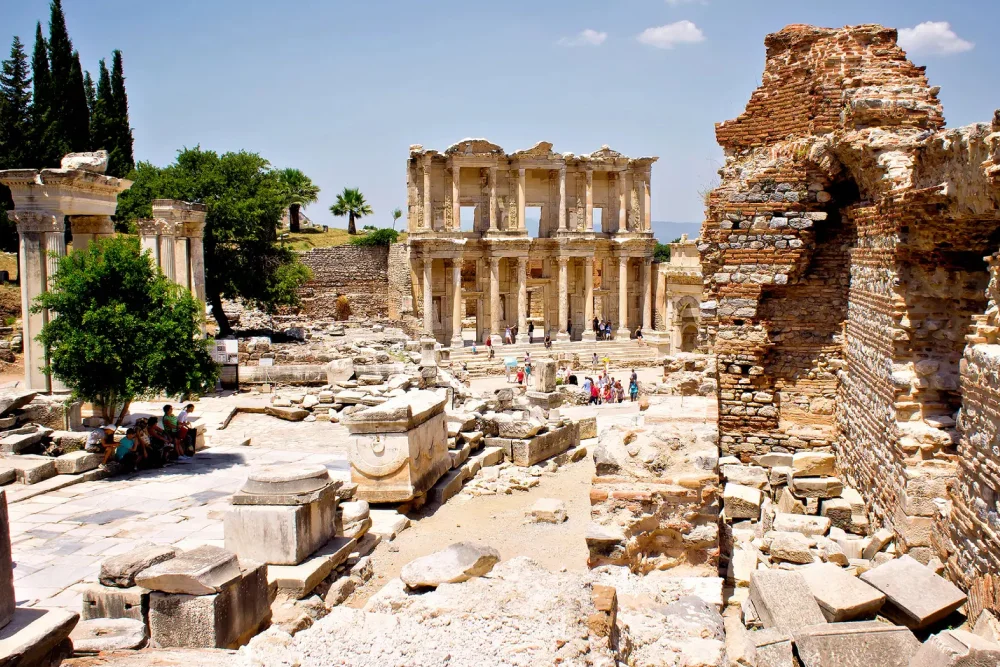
(188, 433)
(159, 440)
(172, 428)
(126, 453)
(107, 442)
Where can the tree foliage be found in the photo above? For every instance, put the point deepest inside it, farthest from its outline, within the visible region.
(245, 199)
(376, 237)
(119, 145)
(662, 252)
(122, 330)
(351, 203)
(299, 191)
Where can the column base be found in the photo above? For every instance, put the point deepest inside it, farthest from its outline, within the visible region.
(589, 336)
(457, 342)
(562, 337)
(623, 334)
(497, 340)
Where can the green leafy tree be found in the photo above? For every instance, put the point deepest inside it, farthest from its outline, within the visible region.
(396, 215)
(376, 237)
(122, 330)
(121, 158)
(245, 199)
(662, 252)
(299, 191)
(351, 203)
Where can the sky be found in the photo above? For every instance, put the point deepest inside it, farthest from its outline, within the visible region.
(341, 90)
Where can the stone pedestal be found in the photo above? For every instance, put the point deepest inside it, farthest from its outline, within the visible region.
(282, 514)
(545, 375)
(399, 449)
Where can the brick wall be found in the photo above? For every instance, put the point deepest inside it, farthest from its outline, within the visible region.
(360, 273)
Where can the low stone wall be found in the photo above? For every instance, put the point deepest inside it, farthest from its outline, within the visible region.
(359, 273)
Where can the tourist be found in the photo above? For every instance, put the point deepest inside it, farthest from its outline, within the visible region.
(506, 337)
(597, 327)
(608, 398)
(638, 333)
(148, 456)
(595, 361)
(531, 332)
(633, 389)
(465, 369)
(172, 429)
(619, 392)
(475, 350)
(595, 393)
(508, 368)
(634, 377)
(188, 434)
(587, 384)
(126, 453)
(548, 342)
(520, 376)
(513, 333)
(107, 442)
(159, 440)
(527, 371)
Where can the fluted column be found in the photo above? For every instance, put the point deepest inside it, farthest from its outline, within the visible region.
(456, 193)
(647, 219)
(588, 304)
(563, 299)
(520, 200)
(647, 295)
(167, 259)
(522, 296)
(622, 225)
(589, 218)
(495, 300)
(562, 200)
(493, 198)
(623, 331)
(35, 229)
(428, 296)
(456, 303)
(428, 208)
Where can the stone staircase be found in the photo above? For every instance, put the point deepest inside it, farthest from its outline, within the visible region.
(625, 353)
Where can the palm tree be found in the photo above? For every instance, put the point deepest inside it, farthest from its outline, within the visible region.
(396, 215)
(351, 203)
(299, 191)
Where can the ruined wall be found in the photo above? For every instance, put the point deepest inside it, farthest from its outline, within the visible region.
(400, 288)
(360, 273)
(843, 261)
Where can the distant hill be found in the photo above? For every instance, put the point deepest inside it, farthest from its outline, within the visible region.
(666, 232)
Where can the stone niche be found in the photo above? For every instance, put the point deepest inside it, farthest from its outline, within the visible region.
(399, 449)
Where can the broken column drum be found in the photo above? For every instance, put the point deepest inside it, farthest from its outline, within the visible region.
(399, 449)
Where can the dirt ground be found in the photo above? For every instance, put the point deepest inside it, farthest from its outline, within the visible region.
(500, 522)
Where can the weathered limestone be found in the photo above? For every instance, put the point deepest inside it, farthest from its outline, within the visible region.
(548, 510)
(952, 648)
(201, 571)
(108, 634)
(859, 643)
(841, 597)
(915, 596)
(112, 602)
(783, 600)
(457, 563)
(120, 571)
(399, 449)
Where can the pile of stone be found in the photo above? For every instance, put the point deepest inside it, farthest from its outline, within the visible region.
(205, 597)
(686, 374)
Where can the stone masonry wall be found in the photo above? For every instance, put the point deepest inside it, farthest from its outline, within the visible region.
(359, 273)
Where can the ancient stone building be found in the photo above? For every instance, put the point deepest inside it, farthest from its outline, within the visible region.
(844, 262)
(677, 288)
(472, 255)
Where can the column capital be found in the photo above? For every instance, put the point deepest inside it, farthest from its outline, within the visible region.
(623, 259)
(520, 172)
(522, 261)
(37, 221)
(563, 261)
(494, 261)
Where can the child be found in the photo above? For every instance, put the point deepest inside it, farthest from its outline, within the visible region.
(520, 376)
(633, 390)
(126, 453)
(108, 442)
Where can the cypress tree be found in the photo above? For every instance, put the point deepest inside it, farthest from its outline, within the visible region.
(61, 66)
(91, 91)
(44, 153)
(121, 160)
(15, 109)
(99, 120)
(77, 114)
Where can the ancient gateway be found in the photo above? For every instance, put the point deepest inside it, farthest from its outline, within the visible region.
(472, 255)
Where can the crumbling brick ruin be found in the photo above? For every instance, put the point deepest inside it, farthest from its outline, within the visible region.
(844, 262)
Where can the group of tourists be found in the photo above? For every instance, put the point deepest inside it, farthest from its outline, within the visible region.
(603, 330)
(607, 389)
(520, 373)
(150, 442)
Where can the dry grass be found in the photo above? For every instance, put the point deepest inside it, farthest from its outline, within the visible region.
(307, 239)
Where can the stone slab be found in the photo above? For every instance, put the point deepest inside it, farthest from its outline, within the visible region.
(841, 597)
(399, 414)
(397, 467)
(30, 469)
(543, 446)
(772, 648)
(34, 634)
(388, 524)
(14, 400)
(203, 570)
(855, 644)
(113, 602)
(447, 487)
(298, 581)
(801, 523)
(19, 442)
(120, 570)
(587, 427)
(97, 635)
(915, 596)
(817, 487)
(742, 502)
(783, 600)
(280, 534)
(957, 648)
(77, 462)
(814, 464)
(490, 456)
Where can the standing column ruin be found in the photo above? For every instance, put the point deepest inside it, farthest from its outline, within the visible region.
(495, 300)
(562, 199)
(493, 198)
(88, 228)
(174, 236)
(456, 197)
(588, 304)
(647, 294)
(563, 300)
(456, 303)
(589, 214)
(522, 296)
(620, 176)
(428, 297)
(428, 216)
(623, 330)
(521, 224)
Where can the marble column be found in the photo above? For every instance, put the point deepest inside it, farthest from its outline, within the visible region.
(495, 300)
(182, 268)
(493, 198)
(522, 297)
(647, 295)
(88, 228)
(149, 238)
(456, 303)
(623, 330)
(589, 219)
(35, 231)
(428, 208)
(622, 226)
(428, 296)
(562, 204)
(168, 263)
(647, 219)
(563, 299)
(588, 304)
(521, 223)
(456, 195)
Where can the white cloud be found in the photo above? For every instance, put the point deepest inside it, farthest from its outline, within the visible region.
(670, 35)
(586, 37)
(933, 38)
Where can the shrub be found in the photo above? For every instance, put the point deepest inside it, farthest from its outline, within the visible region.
(378, 237)
(342, 308)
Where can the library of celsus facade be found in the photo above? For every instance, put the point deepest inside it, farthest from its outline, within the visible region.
(469, 211)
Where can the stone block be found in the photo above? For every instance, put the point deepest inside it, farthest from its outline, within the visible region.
(77, 462)
(548, 510)
(459, 456)
(754, 476)
(588, 427)
(814, 464)
(878, 541)
(838, 511)
(30, 469)
(915, 596)
(12, 399)
(801, 523)
(742, 502)
(840, 596)
(8, 601)
(855, 644)
(790, 548)
(19, 442)
(447, 487)
(454, 564)
(387, 524)
(298, 581)
(987, 626)
(113, 602)
(227, 619)
(789, 504)
(288, 414)
(775, 460)
(280, 534)
(98, 635)
(955, 648)
(121, 570)
(783, 600)
(543, 446)
(36, 636)
(490, 456)
(284, 485)
(201, 571)
(816, 487)
(399, 414)
(772, 648)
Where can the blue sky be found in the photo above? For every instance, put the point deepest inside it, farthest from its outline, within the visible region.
(341, 89)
